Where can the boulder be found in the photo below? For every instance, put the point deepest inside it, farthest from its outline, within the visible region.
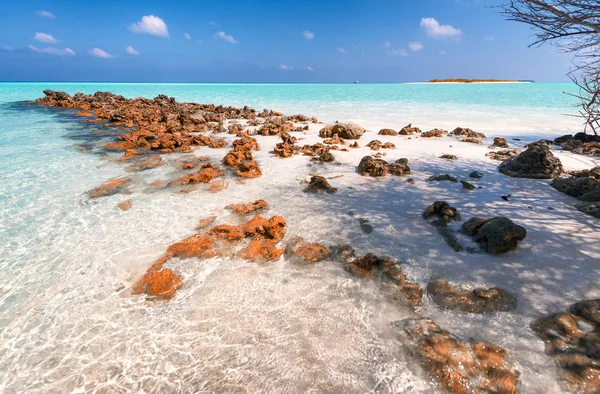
(399, 167)
(584, 188)
(327, 157)
(318, 183)
(346, 130)
(434, 133)
(308, 253)
(499, 143)
(563, 138)
(388, 132)
(448, 157)
(478, 300)
(442, 177)
(535, 163)
(161, 284)
(572, 338)
(409, 130)
(372, 167)
(466, 132)
(502, 155)
(495, 236)
(441, 210)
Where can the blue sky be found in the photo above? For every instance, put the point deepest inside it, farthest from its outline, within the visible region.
(267, 41)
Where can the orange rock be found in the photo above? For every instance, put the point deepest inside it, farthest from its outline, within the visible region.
(130, 152)
(163, 283)
(218, 185)
(312, 253)
(245, 144)
(124, 205)
(146, 164)
(201, 245)
(188, 165)
(203, 223)
(244, 209)
(235, 158)
(249, 169)
(206, 174)
(110, 187)
(84, 114)
(120, 145)
(261, 249)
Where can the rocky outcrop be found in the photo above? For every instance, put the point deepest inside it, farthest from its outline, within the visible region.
(251, 207)
(388, 132)
(580, 143)
(478, 300)
(146, 164)
(409, 130)
(465, 132)
(207, 173)
(459, 367)
(502, 155)
(109, 188)
(346, 130)
(583, 188)
(448, 157)
(434, 133)
(471, 140)
(573, 340)
(536, 163)
(318, 184)
(158, 283)
(370, 166)
(442, 211)
(241, 160)
(287, 147)
(499, 143)
(495, 236)
(442, 177)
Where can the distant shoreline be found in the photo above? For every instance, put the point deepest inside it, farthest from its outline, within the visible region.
(460, 80)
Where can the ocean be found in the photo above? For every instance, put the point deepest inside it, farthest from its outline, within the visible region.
(69, 323)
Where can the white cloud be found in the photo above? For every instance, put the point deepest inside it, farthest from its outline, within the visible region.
(187, 36)
(6, 48)
(435, 30)
(387, 44)
(226, 37)
(45, 14)
(285, 68)
(488, 38)
(341, 50)
(152, 25)
(43, 37)
(53, 51)
(309, 68)
(415, 46)
(308, 35)
(97, 52)
(131, 51)
(398, 52)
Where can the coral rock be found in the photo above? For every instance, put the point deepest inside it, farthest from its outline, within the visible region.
(244, 209)
(476, 301)
(346, 130)
(163, 283)
(108, 188)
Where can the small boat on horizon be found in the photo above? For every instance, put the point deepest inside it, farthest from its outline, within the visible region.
(355, 81)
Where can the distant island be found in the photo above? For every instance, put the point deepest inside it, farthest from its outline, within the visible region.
(463, 80)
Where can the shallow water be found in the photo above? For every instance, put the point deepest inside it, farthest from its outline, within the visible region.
(68, 321)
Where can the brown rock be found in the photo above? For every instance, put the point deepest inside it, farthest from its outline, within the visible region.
(318, 184)
(108, 188)
(535, 163)
(206, 174)
(476, 301)
(497, 235)
(249, 169)
(146, 164)
(499, 143)
(203, 223)
(162, 284)
(124, 205)
(388, 132)
(372, 167)
(471, 140)
(347, 131)
(448, 157)
(244, 209)
(307, 253)
(465, 132)
(409, 130)
(434, 133)
(502, 155)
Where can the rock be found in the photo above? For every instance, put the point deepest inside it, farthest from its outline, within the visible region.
(346, 130)
(203, 223)
(354, 145)
(476, 175)
(434, 133)
(571, 145)
(584, 137)
(448, 157)
(308, 253)
(249, 169)
(590, 208)
(326, 157)
(584, 188)
(409, 130)
(162, 284)
(109, 188)
(495, 236)
(388, 145)
(206, 174)
(476, 301)
(573, 339)
(471, 140)
(502, 155)
(244, 209)
(343, 253)
(562, 139)
(411, 181)
(535, 163)
(146, 164)
(539, 144)
(399, 167)
(318, 183)
(388, 132)
(442, 177)
(588, 148)
(459, 367)
(441, 210)
(465, 132)
(372, 167)
(375, 145)
(499, 143)
(365, 226)
(124, 205)
(467, 185)
(335, 140)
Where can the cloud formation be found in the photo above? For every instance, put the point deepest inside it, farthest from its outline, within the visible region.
(131, 51)
(435, 30)
(43, 37)
(152, 25)
(97, 52)
(285, 68)
(187, 36)
(341, 50)
(308, 35)
(398, 52)
(309, 68)
(415, 46)
(226, 37)
(45, 14)
(53, 51)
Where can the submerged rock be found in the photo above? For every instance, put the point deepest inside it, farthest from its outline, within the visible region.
(536, 163)
(476, 175)
(459, 367)
(163, 283)
(365, 226)
(318, 183)
(244, 209)
(346, 130)
(476, 301)
(442, 210)
(309, 253)
(497, 235)
(206, 174)
(573, 339)
(124, 205)
(146, 164)
(109, 188)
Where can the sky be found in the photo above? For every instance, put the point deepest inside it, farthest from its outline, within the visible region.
(268, 41)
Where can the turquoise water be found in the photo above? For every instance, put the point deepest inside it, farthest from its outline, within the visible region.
(68, 323)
